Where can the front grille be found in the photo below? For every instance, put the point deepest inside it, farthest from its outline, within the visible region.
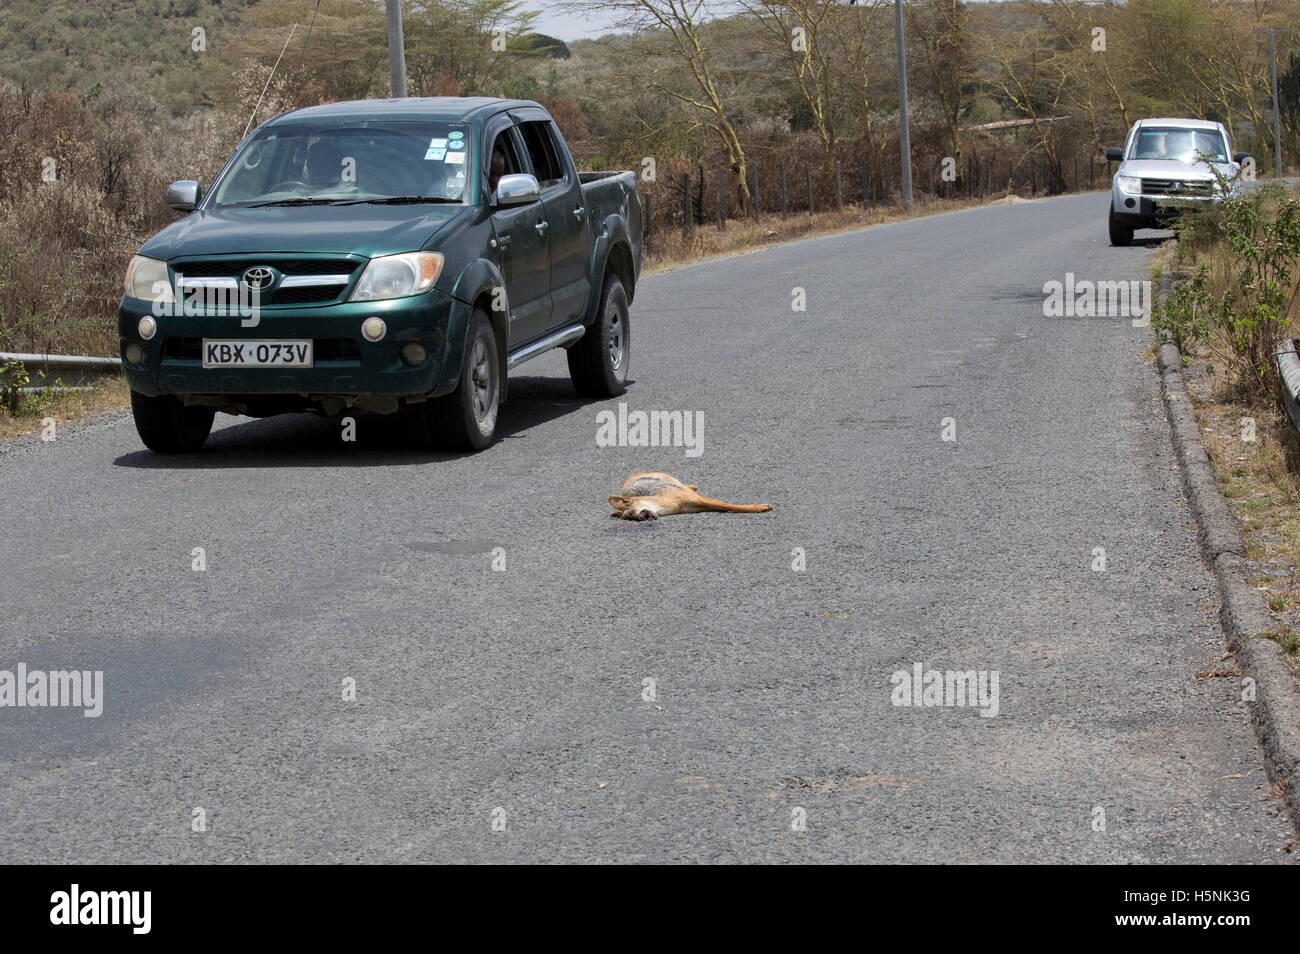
(306, 295)
(288, 267)
(1194, 187)
(323, 349)
(233, 268)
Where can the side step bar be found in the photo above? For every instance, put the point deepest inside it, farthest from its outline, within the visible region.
(557, 340)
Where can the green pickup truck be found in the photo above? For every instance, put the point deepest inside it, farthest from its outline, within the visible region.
(376, 257)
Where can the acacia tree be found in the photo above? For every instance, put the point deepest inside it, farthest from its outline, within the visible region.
(672, 29)
(798, 32)
(947, 62)
(1090, 67)
(1031, 78)
(464, 46)
(858, 38)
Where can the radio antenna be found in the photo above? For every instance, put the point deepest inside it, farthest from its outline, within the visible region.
(268, 83)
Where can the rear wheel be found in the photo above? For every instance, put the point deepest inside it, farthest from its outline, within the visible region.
(598, 361)
(1120, 234)
(169, 427)
(466, 419)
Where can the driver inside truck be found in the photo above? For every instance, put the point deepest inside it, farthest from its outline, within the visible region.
(324, 165)
(497, 168)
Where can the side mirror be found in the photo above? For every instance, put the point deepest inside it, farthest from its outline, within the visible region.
(183, 196)
(1114, 153)
(518, 190)
(1240, 157)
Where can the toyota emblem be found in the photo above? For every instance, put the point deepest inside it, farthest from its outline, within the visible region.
(258, 278)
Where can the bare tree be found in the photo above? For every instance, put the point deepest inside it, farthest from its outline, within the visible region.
(798, 31)
(673, 28)
(939, 28)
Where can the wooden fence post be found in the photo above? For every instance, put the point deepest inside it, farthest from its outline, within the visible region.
(687, 220)
(722, 199)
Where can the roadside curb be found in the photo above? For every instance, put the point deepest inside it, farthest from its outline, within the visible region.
(1275, 713)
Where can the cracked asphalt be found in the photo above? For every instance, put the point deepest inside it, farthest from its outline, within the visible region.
(517, 694)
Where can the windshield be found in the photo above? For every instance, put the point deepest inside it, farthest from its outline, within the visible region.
(1179, 145)
(348, 162)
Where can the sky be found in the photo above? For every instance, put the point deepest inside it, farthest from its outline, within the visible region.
(568, 26)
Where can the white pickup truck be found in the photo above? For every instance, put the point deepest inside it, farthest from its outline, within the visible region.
(1167, 165)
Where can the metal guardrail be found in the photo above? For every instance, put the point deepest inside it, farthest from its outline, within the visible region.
(1288, 365)
(69, 372)
(71, 369)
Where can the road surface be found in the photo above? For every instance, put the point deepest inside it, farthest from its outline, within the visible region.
(516, 698)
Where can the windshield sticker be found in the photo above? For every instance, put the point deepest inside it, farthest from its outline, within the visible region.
(456, 144)
(456, 157)
(437, 143)
(435, 155)
(455, 134)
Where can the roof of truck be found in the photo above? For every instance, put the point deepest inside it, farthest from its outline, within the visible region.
(1180, 123)
(443, 108)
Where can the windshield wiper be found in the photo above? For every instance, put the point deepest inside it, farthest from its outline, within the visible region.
(301, 200)
(401, 200)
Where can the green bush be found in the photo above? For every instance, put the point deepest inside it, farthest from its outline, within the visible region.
(1240, 298)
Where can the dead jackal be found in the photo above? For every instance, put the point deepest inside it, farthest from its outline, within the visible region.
(649, 496)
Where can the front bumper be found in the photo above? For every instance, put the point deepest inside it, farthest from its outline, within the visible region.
(346, 364)
(1149, 210)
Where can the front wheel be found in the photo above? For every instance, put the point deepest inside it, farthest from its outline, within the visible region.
(169, 427)
(1120, 234)
(598, 360)
(466, 419)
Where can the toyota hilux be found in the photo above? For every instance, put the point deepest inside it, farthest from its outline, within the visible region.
(377, 257)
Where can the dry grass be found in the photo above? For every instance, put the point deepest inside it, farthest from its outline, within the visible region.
(111, 394)
(667, 248)
(1261, 481)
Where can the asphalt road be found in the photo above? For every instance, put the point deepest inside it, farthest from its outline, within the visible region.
(522, 689)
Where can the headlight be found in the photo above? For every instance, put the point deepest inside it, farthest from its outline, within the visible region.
(146, 278)
(1130, 185)
(398, 276)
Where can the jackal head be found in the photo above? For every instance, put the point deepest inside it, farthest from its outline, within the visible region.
(631, 508)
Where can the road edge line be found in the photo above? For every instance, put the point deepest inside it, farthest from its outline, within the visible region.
(1243, 615)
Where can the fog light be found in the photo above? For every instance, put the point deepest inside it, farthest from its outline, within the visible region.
(374, 329)
(1129, 203)
(147, 327)
(413, 353)
(134, 353)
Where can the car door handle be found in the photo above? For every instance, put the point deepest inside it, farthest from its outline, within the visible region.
(542, 227)
(579, 212)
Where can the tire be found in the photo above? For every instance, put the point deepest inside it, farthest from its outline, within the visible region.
(1120, 234)
(466, 419)
(598, 361)
(169, 427)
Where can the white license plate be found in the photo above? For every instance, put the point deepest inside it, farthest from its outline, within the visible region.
(256, 354)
